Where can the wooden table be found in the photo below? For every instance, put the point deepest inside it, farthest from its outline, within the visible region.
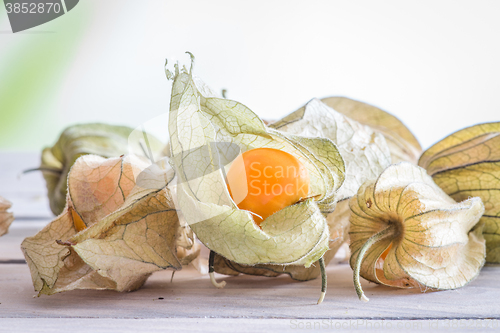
(191, 303)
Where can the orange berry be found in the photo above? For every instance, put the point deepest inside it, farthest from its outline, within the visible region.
(266, 180)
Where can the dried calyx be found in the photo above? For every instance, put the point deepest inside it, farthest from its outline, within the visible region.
(465, 164)
(6, 217)
(365, 154)
(401, 141)
(118, 227)
(406, 232)
(206, 134)
(84, 139)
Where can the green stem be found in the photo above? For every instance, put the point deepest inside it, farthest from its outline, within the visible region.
(148, 153)
(389, 231)
(323, 280)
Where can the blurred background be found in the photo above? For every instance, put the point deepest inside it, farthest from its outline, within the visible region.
(433, 64)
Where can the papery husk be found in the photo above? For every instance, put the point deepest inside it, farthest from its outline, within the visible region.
(6, 217)
(465, 164)
(199, 123)
(84, 139)
(338, 228)
(401, 141)
(365, 153)
(118, 227)
(432, 241)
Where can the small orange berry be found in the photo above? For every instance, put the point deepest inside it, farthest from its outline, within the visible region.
(266, 180)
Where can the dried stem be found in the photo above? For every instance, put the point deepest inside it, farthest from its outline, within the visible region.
(44, 169)
(389, 231)
(323, 280)
(211, 271)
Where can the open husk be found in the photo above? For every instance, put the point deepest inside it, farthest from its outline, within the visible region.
(406, 232)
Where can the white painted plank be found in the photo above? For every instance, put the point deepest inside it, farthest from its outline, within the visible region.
(223, 325)
(12, 165)
(11, 242)
(27, 192)
(191, 303)
(192, 295)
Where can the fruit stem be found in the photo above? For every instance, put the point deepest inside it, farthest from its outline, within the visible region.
(323, 280)
(211, 271)
(172, 277)
(56, 171)
(357, 267)
(148, 153)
